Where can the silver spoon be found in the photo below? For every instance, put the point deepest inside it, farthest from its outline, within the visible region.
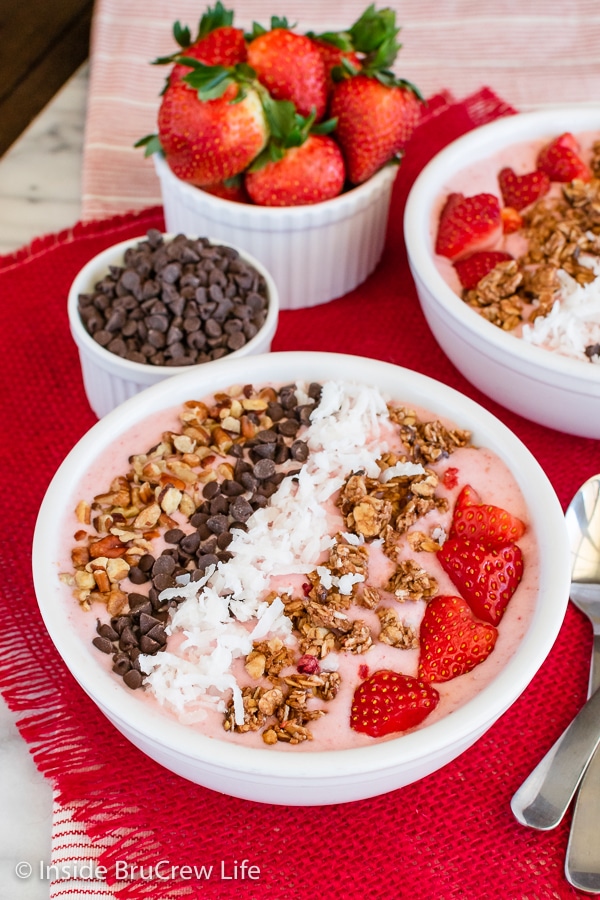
(545, 795)
(582, 863)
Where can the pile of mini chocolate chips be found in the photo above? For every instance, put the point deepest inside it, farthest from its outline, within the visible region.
(176, 302)
(261, 463)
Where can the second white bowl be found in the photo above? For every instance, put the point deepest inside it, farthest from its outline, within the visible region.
(315, 253)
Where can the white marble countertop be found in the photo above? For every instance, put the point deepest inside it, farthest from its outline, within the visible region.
(40, 191)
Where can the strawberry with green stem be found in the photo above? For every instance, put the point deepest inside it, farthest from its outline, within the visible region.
(290, 67)
(301, 164)
(211, 124)
(217, 42)
(376, 112)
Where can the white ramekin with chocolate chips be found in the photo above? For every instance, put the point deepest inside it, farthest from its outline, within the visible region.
(156, 305)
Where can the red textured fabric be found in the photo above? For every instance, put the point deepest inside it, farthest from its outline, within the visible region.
(451, 835)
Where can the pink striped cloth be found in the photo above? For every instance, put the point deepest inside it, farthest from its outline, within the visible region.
(531, 54)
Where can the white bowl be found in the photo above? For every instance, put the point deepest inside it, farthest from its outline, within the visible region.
(109, 379)
(542, 386)
(313, 777)
(315, 253)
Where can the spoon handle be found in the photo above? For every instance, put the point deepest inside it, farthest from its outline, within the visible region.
(582, 862)
(545, 795)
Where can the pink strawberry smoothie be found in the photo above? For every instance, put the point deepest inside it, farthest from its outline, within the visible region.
(190, 654)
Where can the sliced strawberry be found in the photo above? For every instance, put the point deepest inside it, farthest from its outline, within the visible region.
(476, 521)
(388, 702)
(467, 225)
(475, 267)
(561, 160)
(452, 641)
(518, 191)
(486, 576)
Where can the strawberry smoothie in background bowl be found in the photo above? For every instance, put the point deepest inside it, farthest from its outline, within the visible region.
(252, 574)
(502, 239)
(286, 144)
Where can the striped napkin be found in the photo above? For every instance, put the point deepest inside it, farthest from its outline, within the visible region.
(535, 54)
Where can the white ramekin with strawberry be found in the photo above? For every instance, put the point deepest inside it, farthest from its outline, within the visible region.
(286, 144)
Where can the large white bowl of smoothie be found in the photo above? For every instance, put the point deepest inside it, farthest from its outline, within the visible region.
(530, 346)
(228, 561)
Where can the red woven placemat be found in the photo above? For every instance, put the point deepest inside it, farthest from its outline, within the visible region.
(451, 835)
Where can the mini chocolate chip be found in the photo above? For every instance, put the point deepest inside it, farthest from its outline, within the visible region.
(147, 645)
(190, 543)
(105, 631)
(164, 565)
(133, 679)
(219, 505)
(264, 468)
(121, 664)
(174, 535)
(224, 540)
(163, 581)
(240, 509)
(137, 576)
(211, 489)
(299, 451)
(102, 644)
(210, 559)
(146, 562)
(136, 600)
(218, 523)
(232, 488)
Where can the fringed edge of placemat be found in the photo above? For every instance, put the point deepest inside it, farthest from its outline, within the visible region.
(46, 242)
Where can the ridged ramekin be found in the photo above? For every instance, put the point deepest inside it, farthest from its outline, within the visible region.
(109, 379)
(315, 253)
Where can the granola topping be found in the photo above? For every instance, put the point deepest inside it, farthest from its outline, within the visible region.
(549, 294)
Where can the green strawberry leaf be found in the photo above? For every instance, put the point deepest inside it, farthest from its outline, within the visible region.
(151, 143)
(213, 18)
(375, 29)
(182, 34)
(325, 127)
(340, 39)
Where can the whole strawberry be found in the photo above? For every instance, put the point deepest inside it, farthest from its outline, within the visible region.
(208, 138)
(452, 641)
(290, 66)
(376, 112)
(310, 173)
(387, 702)
(217, 43)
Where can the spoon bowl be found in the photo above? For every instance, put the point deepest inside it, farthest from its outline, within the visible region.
(583, 527)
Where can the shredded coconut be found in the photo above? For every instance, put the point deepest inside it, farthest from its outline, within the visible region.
(211, 627)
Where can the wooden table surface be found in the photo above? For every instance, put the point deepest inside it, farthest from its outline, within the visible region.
(42, 43)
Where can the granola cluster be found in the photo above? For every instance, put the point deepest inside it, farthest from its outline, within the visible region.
(561, 232)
